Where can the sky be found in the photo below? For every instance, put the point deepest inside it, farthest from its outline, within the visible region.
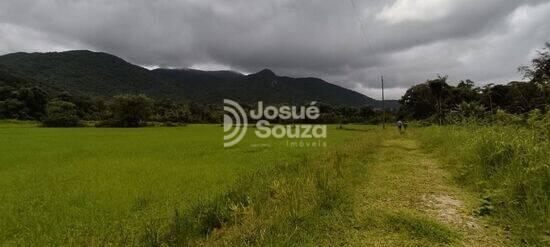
(350, 43)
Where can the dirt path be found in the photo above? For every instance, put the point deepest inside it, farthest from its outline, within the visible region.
(409, 200)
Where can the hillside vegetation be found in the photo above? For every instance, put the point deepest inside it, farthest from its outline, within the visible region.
(101, 74)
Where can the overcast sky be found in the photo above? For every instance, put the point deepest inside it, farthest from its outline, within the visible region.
(347, 42)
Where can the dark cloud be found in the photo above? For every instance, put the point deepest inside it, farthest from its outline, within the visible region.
(406, 40)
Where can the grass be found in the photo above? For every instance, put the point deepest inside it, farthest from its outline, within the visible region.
(419, 227)
(368, 192)
(88, 186)
(178, 186)
(390, 209)
(303, 203)
(508, 166)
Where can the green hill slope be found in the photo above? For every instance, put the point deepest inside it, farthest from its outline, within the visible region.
(102, 74)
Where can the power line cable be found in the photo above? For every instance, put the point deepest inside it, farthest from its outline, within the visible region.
(370, 48)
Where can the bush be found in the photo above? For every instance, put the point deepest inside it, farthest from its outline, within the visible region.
(61, 114)
(129, 111)
(540, 124)
(504, 118)
(170, 113)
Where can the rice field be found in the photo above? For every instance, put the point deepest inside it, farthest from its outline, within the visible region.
(62, 186)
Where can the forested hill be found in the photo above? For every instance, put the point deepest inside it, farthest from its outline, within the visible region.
(102, 74)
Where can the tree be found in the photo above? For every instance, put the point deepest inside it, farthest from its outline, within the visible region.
(438, 87)
(131, 110)
(487, 95)
(539, 71)
(465, 91)
(417, 103)
(35, 100)
(168, 111)
(539, 74)
(61, 114)
(12, 108)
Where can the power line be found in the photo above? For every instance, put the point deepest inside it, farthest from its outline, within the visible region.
(357, 16)
(371, 51)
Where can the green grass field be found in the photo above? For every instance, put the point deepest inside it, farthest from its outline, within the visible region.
(88, 184)
(433, 186)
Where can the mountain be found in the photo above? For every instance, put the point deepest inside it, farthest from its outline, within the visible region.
(262, 86)
(102, 74)
(88, 72)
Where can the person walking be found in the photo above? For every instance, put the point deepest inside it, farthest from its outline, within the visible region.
(400, 126)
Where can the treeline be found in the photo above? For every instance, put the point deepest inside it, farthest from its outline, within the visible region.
(25, 99)
(62, 109)
(438, 102)
(67, 110)
(330, 114)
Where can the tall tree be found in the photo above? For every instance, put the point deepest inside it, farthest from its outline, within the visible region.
(539, 73)
(131, 110)
(417, 103)
(438, 88)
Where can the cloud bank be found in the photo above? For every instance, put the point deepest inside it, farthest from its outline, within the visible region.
(350, 42)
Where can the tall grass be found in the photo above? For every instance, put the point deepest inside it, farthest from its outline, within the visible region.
(508, 165)
(300, 203)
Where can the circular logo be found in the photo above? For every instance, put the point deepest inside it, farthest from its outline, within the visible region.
(235, 123)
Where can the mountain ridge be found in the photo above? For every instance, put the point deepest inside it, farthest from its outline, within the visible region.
(104, 74)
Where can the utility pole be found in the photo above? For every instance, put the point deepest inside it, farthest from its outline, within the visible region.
(383, 105)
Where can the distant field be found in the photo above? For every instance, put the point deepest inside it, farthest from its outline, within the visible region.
(65, 185)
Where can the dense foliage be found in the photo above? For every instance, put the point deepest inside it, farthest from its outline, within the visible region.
(498, 145)
(441, 102)
(24, 100)
(131, 110)
(61, 114)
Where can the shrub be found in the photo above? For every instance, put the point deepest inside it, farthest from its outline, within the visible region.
(504, 118)
(539, 124)
(61, 114)
(129, 111)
